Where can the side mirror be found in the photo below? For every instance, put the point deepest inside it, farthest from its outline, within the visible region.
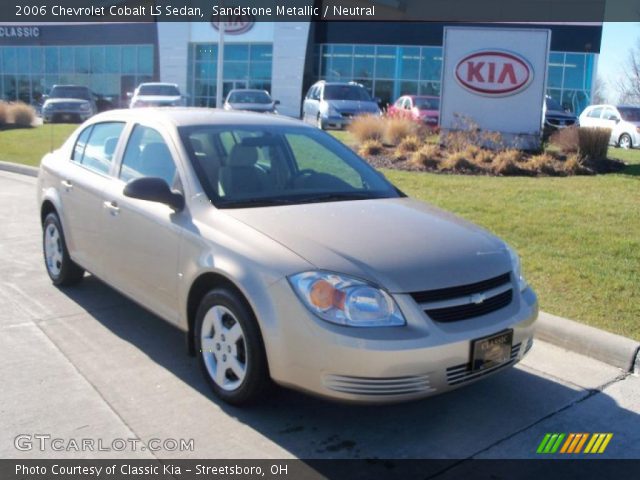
(154, 189)
(129, 94)
(276, 102)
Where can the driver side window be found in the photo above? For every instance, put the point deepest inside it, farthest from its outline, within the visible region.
(147, 155)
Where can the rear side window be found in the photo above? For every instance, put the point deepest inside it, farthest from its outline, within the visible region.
(96, 144)
(147, 155)
(595, 113)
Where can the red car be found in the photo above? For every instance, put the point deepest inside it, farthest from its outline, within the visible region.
(421, 108)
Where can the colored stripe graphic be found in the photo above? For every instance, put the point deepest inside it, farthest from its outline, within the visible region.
(573, 443)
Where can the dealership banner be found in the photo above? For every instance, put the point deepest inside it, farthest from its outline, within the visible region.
(318, 10)
(352, 469)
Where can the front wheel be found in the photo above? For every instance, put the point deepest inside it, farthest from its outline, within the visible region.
(61, 269)
(230, 348)
(625, 141)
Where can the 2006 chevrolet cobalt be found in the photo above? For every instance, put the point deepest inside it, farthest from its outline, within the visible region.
(282, 255)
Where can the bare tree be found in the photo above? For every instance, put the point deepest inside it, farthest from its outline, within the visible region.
(628, 85)
(599, 93)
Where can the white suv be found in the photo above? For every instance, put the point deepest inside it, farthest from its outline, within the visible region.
(624, 122)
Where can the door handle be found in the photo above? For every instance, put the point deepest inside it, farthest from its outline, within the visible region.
(112, 207)
(67, 184)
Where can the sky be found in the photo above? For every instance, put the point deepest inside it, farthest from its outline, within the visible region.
(617, 39)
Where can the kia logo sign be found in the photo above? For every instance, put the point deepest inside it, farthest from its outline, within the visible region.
(494, 73)
(235, 24)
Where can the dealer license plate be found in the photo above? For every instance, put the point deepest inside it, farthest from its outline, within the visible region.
(491, 351)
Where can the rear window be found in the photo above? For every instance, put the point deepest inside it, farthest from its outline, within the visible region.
(163, 90)
(346, 92)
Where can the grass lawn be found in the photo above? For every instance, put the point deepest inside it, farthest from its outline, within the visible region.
(579, 237)
(28, 145)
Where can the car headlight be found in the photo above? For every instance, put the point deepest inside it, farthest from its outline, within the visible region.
(345, 300)
(517, 269)
(48, 106)
(85, 106)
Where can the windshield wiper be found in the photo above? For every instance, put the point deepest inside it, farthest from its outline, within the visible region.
(257, 202)
(336, 197)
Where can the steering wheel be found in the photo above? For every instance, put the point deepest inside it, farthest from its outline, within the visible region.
(305, 172)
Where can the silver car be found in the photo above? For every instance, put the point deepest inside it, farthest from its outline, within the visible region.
(335, 104)
(251, 101)
(68, 103)
(282, 255)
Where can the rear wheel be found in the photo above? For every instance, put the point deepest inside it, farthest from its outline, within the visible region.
(625, 141)
(230, 348)
(61, 269)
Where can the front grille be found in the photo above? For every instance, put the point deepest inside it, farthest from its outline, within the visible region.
(470, 310)
(378, 386)
(463, 373)
(462, 290)
(466, 301)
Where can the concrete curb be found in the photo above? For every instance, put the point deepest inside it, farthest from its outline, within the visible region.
(17, 168)
(607, 347)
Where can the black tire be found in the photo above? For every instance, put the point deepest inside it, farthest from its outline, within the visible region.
(625, 138)
(256, 382)
(66, 271)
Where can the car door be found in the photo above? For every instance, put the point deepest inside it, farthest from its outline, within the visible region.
(81, 185)
(611, 119)
(144, 236)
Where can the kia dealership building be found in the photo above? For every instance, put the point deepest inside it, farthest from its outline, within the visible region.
(389, 58)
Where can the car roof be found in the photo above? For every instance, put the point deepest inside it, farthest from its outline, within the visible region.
(247, 90)
(158, 83)
(186, 116)
(70, 85)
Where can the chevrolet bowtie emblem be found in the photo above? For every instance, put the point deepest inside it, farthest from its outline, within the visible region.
(477, 298)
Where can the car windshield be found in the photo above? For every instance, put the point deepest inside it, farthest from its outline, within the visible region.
(70, 92)
(630, 114)
(163, 90)
(249, 96)
(427, 103)
(553, 104)
(346, 92)
(264, 165)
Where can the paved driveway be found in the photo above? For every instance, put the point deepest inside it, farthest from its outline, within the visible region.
(86, 362)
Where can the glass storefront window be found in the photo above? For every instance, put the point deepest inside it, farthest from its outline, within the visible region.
(51, 59)
(409, 58)
(246, 65)
(27, 73)
(363, 61)
(385, 62)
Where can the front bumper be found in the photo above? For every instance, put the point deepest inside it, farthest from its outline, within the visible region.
(65, 115)
(335, 121)
(385, 365)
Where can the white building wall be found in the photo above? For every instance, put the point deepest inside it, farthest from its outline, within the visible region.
(173, 47)
(289, 50)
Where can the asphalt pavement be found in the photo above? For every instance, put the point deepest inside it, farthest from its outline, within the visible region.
(87, 363)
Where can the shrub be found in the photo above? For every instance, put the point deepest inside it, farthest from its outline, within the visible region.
(409, 144)
(458, 162)
(4, 113)
(566, 139)
(467, 132)
(370, 147)
(542, 163)
(428, 156)
(367, 127)
(593, 143)
(396, 129)
(22, 114)
(507, 162)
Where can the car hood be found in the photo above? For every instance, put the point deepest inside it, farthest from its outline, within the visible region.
(158, 98)
(252, 107)
(354, 106)
(402, 244)
(560, 114)
(70, 101)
